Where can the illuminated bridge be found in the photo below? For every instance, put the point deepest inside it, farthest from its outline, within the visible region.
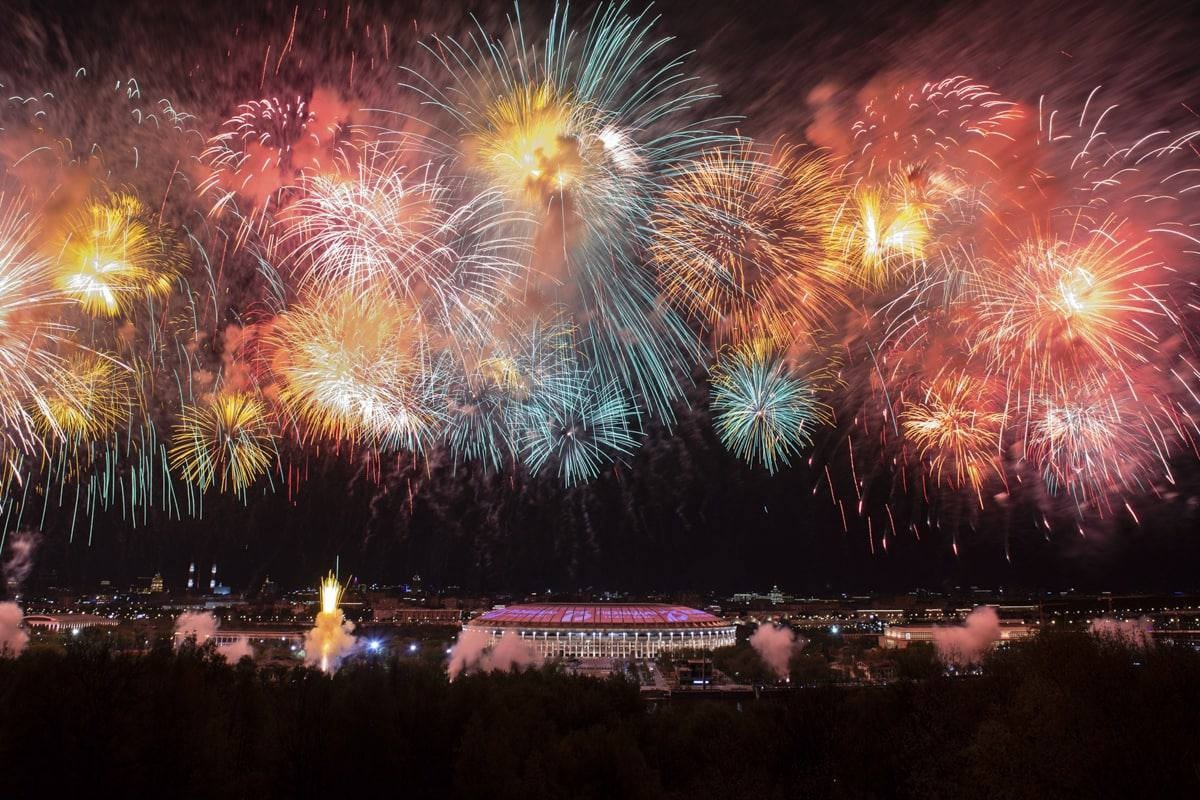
(568, 630)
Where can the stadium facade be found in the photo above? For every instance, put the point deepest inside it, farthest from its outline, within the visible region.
(570, 630)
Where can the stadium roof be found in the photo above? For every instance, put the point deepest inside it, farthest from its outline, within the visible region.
(594, 615)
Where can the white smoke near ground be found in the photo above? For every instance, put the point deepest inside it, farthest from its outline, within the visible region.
(19, 563)
(13, 637)
(964, 645)
(471, 653)
(1129, 632)
(775, 645)
(330, 640)
(510, 653)
(202, 626)
(466, 652)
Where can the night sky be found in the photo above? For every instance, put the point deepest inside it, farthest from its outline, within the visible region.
(681, 513)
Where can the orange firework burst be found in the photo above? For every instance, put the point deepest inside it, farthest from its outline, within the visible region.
(740, 241)
(357, 368)
(949, 124)
(956, 430)
(1068, 307)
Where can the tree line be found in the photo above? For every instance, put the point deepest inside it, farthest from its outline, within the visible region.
(1062, 715)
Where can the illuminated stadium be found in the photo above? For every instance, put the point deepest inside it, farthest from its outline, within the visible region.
(566, 630)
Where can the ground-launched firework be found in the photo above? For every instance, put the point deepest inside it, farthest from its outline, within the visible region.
(331, 638)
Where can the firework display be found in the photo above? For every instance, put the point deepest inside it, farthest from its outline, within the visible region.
(523, 251)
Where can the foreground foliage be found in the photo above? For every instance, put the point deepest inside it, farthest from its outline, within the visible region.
(1061, 716)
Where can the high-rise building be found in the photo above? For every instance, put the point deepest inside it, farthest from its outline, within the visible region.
(156, 583)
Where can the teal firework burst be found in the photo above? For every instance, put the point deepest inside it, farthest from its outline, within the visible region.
(580, 131)
(765, 408)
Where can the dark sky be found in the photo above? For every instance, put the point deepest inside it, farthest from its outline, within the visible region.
(682, 514)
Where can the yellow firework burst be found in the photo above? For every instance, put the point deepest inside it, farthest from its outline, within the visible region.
(879, 233)
(88, 397)
(357, 368)
(956, 430)
(226, 441)
(740, 241)
(528, 142)
(116, 254)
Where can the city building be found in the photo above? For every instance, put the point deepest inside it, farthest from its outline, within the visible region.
(415, 615)
(56, 623)
(898, 637)
(569, 630)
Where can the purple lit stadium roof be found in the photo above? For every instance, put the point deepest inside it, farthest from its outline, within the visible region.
(571, 615)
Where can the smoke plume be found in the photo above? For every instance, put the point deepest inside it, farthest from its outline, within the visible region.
(12, 637)
(202, 626)
(774, 645)
(471, 653)
(19, 563)
(963, 645)
(1129, 632)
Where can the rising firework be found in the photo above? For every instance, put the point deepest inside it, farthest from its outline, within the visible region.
(331, 639)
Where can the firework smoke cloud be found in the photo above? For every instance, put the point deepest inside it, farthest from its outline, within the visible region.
(201, 626)
(473, 652)
(775, 645)
(965, 645)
